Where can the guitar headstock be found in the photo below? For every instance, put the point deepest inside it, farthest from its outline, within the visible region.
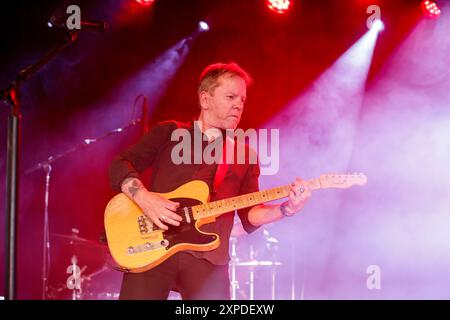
(334, 180)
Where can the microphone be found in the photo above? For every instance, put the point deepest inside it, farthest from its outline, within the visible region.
(144, 119)
(96, 26)
(89, 25)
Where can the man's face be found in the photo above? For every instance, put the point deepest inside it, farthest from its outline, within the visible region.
(224, 105)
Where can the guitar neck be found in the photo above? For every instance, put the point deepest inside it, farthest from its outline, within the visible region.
(219, 207)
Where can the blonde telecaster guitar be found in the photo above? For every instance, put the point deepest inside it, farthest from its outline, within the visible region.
(137, 245)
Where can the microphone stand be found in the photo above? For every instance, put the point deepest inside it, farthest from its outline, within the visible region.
(11, 97)
(46, 166)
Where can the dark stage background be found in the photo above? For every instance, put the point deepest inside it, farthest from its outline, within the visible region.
(90, 89)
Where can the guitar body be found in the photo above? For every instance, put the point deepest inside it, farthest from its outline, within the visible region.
(138, 245)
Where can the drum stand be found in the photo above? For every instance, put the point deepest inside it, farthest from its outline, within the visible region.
(252, 275)
(74, 281)
(234, 260)
(272, 246)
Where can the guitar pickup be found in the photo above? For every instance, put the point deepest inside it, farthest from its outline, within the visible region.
(148, 246)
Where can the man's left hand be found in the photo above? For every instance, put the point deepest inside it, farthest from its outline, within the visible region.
(297, 196)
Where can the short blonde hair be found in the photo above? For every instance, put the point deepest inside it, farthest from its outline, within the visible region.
(210, 75)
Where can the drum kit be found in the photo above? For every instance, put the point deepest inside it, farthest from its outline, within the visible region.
(251, 266)
(89, 273)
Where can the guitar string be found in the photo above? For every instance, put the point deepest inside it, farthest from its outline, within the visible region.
(181, 210)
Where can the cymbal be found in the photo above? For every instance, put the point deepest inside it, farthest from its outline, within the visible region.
(256, 263)
(76, 240)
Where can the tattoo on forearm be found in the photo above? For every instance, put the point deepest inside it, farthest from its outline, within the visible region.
(134, 188)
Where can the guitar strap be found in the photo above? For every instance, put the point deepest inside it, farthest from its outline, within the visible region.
(222, 168)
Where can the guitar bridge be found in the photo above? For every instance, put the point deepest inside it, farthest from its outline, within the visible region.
(145, 225)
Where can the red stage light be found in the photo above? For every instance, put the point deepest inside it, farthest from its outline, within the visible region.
(430, 9)
(145, 2)
(278, 6)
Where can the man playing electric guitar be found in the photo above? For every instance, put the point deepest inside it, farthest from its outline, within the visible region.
(202, 273)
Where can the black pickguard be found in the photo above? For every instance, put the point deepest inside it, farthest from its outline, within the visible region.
(186, 233)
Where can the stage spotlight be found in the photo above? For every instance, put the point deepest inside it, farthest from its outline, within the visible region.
(145, 2)
(278, 6)
(203, 26)
(430, 9)
(378, 25)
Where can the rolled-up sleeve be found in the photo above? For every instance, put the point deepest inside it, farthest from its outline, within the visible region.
(140, 156)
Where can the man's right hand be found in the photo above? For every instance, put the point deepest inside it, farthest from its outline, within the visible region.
(157, 208)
